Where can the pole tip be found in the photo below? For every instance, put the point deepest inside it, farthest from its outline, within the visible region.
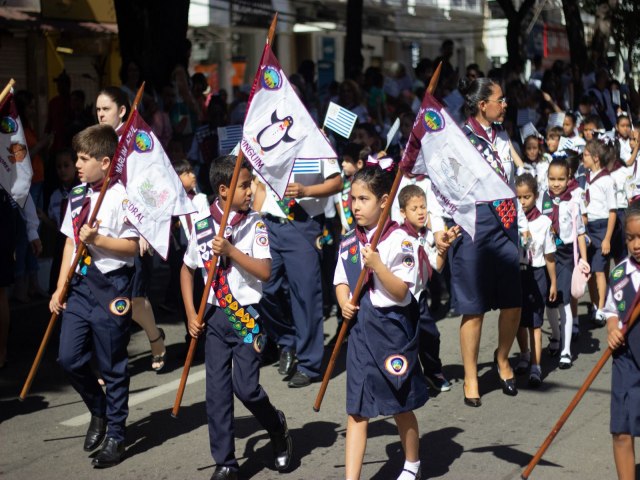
(315, 409)
(523, 477)
(174, 415)
(21, 398)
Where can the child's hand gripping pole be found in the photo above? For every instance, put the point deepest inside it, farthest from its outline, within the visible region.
(82, 249)
(635, 312)
(358, 290)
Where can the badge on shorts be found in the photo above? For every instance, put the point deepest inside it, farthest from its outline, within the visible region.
(259, 342)
(120, 306)
(396, 364)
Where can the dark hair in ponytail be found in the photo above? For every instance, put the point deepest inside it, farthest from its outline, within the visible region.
(377, 180)
(475, 92)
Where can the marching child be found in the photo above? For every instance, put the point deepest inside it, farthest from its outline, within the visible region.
(625, 134)
(413, 208)
(383, 376)
(534, 161)
(625, 375)
(563, 209)
(97, 313)
(537, 254)
(600, 218)
(553, 142)
(234, 337)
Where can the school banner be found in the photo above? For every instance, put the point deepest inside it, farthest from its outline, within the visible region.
(460, 177)
(278, 130)
(15, 162)
(154, 190)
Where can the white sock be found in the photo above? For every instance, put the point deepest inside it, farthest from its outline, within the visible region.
(566, 321)
(409, 470)
(552, 316)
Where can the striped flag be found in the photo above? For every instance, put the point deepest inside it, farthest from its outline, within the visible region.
(307, 166)
(340, 120)
(228, 137)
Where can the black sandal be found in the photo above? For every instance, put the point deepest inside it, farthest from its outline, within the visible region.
(158, 358)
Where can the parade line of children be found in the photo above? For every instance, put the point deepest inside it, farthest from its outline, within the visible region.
(581, 213)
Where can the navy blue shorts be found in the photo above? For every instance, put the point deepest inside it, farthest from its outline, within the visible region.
(596, 230)
(564, 270)
(625, 394)
(535, 290)
(485, 272)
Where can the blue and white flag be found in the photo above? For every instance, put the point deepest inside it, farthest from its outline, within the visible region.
(340, 120)
(307, 165)
(228, 138)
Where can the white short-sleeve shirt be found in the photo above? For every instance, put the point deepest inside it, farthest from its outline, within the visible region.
(427, 242)
(610, 309)
(624, 185)
(312, 205)
(542, 242)
(567, 212)
(251, 238)
(602, 198)
(396, 252)
(113, 224)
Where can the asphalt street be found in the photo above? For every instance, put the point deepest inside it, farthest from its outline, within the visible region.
(41, 438)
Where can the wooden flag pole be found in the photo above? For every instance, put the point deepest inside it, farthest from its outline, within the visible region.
(214, 262)
(578, 396)
(79, 254)
(6, 90)
(356, 293)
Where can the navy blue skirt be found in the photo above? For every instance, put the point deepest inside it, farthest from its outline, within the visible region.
(618, 240)
(625, 394)
(535, 290)
(383, 371)
(564, 270)
(596, 230)
(485, 272)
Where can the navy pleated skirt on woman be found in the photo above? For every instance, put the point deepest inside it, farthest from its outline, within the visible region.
(485, 272)
(383, 371)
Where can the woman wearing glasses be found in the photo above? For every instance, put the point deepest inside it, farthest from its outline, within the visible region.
(486, 271)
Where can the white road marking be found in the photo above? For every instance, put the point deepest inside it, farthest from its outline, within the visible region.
(141, 397)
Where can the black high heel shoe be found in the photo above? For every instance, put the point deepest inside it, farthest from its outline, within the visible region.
(471, 401)
(508, 385)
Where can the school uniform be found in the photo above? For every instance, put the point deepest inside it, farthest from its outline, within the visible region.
(383, 374)
(294, 226)
(624, 281)
(600, 200)
(426, 257)
(625, 150)
(486, 270)
(623, 182)
(98, 314)
(533, 272)
(562, 211)
(234, 336)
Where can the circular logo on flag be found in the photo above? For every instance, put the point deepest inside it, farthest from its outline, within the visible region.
(433, 120)
(271, 78)
(120, 306)
(8, 125)
(143, 142)
(396, 364)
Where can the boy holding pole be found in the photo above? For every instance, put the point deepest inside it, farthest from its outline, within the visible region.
(97, 313)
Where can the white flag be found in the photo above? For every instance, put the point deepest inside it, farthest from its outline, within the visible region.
(278, 130)
(154, 190)
(15, 162)
(460, 176)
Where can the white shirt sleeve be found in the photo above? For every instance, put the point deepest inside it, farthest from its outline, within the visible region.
(340, 276)
(523, 223)
(30, 217)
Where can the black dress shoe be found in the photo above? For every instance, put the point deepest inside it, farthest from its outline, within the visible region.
(299, 380)
(224, 473)
(508, 385)
(95, 433)
(282, 445)
(287, 362)
(471, 401)
(110, 454)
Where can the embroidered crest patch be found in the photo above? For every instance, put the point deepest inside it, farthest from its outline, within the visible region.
(621, 306)
(262, 239)
(396, 364)
(618, 272)
(120, 306)
(407, 246)
(259, 342)
(618, 295)
(408, 261)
